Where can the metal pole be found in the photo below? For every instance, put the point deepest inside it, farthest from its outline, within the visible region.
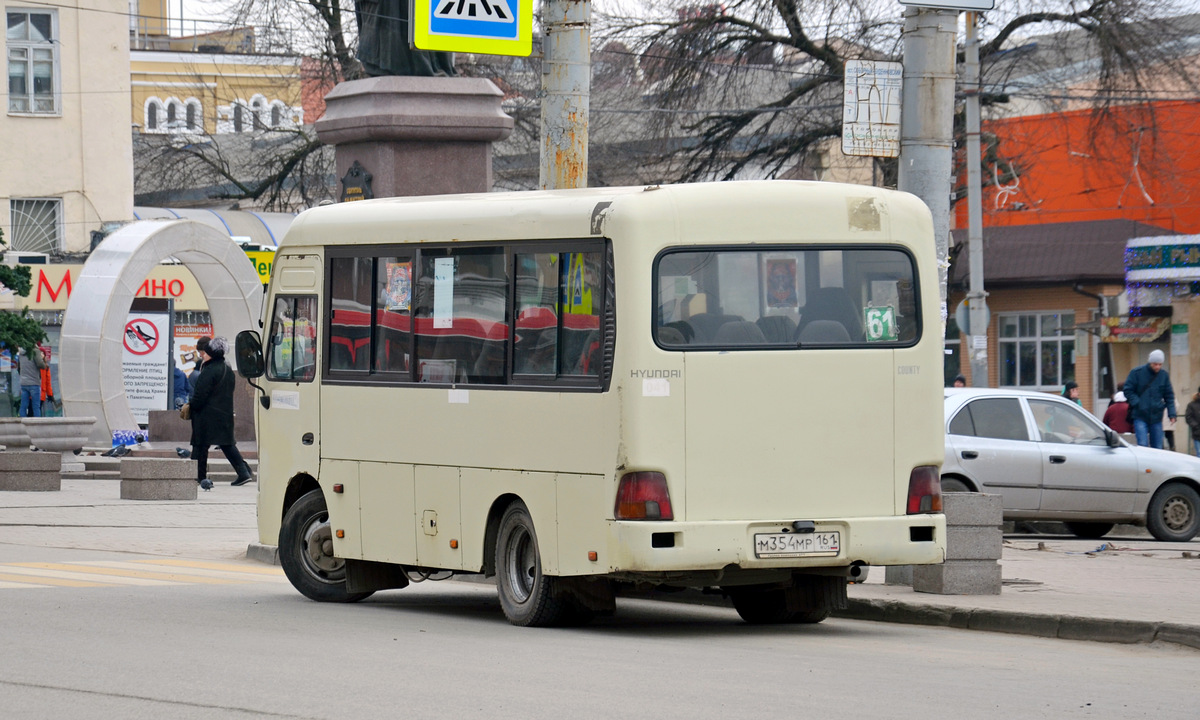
(976, 304)
(927, 120)
(566, 83)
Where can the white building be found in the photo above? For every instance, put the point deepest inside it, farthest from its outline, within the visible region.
(66, 158)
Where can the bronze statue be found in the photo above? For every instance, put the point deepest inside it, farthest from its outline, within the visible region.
(383, 47)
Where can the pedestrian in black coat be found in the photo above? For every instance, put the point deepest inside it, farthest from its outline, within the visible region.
(211, 407)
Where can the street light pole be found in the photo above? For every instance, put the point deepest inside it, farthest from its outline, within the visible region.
(978, 313)
(566, 85)
(927, 120)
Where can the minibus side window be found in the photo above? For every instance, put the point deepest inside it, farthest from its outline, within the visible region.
(461, 316)
(350, 314)
(291, 346)
(393, 319)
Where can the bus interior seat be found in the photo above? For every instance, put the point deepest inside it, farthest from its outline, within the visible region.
(706, 325)
(670, 337)
(740, 332)
(684, 329)
(832, 303)
(823, 331)
(777, 328)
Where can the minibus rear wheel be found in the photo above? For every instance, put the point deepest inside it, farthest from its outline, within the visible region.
(306, 552)
(529, 597)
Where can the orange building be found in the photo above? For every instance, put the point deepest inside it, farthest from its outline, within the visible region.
(1139, 163)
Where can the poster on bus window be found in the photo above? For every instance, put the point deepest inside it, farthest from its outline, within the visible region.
(781, 283)
(398, 294)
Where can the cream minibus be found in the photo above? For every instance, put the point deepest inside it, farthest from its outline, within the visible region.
(588, 393)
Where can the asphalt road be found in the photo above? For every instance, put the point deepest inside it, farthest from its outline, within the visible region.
(140, 636)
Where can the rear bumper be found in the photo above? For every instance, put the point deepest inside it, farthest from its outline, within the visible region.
(701, 546)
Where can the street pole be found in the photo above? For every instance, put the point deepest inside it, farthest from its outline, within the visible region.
(927, 120)
(566, 84)
(976, 303)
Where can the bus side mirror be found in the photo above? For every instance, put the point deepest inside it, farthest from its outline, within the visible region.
(248, 350)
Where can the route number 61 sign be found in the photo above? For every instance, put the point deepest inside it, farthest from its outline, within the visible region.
(881, 324)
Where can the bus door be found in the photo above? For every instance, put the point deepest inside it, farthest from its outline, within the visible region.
(293, 444)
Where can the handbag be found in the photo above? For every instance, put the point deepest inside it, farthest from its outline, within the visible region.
(185, 412)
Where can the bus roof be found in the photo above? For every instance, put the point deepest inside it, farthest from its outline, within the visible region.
(802, 206)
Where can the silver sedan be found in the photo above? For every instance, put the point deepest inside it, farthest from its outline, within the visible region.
(1050, 459)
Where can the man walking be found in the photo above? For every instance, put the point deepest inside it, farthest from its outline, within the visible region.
(1148, 390)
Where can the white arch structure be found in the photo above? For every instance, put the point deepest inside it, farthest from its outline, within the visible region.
(91, 347)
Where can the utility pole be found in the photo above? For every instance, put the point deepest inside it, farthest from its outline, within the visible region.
(976, 303)
(927, 120)
(566, 85)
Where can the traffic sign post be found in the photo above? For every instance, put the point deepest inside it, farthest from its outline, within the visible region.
(486, 27)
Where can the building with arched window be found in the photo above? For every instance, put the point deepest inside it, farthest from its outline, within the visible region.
(187, 80)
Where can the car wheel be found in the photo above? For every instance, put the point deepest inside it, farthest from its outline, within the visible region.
(306, 552)
(950, 484)
(1089, 530)
(1172, 515)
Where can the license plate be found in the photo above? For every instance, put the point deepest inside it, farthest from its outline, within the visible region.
(783, 545)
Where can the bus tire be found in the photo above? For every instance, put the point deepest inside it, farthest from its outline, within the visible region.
(306, 552)
(762, 607)
(529, 597)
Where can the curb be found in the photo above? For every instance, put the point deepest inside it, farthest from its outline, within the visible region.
(1065, 627)
(268, 554)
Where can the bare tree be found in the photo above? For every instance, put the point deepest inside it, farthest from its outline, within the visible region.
(754, 86)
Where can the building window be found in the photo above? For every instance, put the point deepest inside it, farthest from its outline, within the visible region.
(32, 62)
(193, 114)
(36, 224)
(171, 116)
(237, 118)
(152, 117)
(1037, 350)
(276, 116)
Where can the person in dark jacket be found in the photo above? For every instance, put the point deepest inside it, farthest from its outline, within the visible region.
(1192, 416)
(1148, 390)
(212, 413)
(182, 386)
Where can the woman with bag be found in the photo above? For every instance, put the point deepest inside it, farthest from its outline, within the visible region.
(211, 410)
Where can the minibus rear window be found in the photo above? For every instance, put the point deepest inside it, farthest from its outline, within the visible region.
(785, 297)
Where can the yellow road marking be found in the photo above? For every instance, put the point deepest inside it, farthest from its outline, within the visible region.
(39, 581)
(148, 576)
(185, 572)
(228, 567)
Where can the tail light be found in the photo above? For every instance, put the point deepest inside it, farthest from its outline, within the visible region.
(643, 496)
(924, 490)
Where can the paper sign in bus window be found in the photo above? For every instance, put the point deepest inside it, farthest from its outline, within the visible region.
(443, 292)
(399, 286)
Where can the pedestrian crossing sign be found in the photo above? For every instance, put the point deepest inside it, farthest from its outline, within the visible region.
(486, 27)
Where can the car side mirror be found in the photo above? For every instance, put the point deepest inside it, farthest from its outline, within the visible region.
(1113, 439)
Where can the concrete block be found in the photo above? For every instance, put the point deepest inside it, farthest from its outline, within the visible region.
(958, 577)
(157, 468)
(268, 554)
(974, 542)
(158, 489)
(973, 509)
(898, 575)
(31, 481)
(30, 462)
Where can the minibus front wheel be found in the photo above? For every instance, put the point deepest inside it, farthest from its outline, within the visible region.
(306, 552)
